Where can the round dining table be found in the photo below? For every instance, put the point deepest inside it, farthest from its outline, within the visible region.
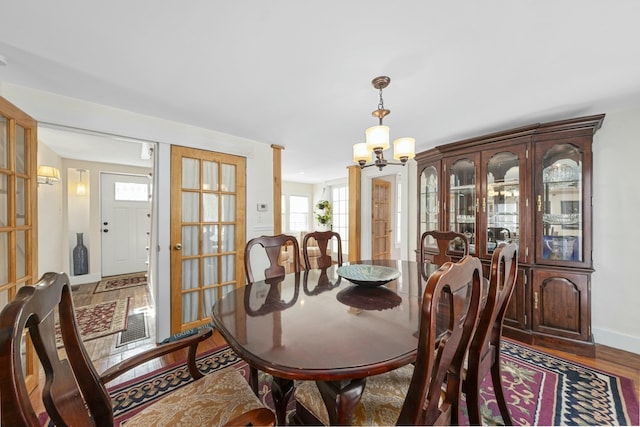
(316, 325)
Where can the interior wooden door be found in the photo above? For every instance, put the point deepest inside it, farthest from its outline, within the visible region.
(208, 193)
(18, 212)
(380, 219)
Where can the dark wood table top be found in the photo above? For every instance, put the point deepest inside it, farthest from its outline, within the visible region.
(315, 325)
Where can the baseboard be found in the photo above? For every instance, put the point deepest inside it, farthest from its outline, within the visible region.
(617, 340)
(85, 278)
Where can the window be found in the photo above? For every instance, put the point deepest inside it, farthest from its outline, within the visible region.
(131, 192)
(298, 213)
(340, 216)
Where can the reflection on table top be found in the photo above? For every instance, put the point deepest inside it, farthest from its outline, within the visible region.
(315, 325)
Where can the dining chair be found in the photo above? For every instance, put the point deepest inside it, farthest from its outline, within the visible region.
(75, 394)
(484, 351)
(445, 241)
(322, 239)
(273, 245)
(428, 392)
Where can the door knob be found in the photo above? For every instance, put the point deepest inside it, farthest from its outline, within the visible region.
(178, 246)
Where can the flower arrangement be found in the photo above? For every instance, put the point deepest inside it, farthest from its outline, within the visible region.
(323, 215)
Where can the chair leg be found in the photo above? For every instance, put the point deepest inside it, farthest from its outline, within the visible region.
(499, 392)
(253, 379)
(472, 394)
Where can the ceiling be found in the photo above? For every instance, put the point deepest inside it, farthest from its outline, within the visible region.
(298, 74)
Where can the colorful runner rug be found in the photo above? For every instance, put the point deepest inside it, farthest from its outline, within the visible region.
(541, 390)
(121, 282)
(98, 320)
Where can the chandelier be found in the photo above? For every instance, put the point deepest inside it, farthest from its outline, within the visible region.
(377, 138)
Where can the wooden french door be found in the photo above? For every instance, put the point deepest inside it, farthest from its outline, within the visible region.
(380, 219)
(208, 193)
(18, 212)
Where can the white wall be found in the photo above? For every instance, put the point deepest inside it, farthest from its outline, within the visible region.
(615, 286)
(51, 243)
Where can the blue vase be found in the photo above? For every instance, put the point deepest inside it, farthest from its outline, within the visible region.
(80, 257)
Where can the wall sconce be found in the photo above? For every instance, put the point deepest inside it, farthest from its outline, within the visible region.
(81, 188)
(48, 175)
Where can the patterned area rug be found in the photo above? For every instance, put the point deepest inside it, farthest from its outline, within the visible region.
(541, 390)
(120, 282)
(98, 320)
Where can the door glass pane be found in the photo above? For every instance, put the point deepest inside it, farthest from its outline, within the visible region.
(228, 178)
(20, 149)
(210, 239)
(228, 268)
(462, 201)
(429, 202)
(190, 307)
(190, 207)
(190, 240)
(190, 276)
(190, 173)
(4, 258)
(228, 238)
(210, 207)
(562, 203)
(502, 200)
(210, 271)
(21, 253)
(4, 204)
(209, 176)
(21, 208)
(228, 207)
(209, 298)
(3, 143)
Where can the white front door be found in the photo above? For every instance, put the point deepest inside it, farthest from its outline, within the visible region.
(125, 222)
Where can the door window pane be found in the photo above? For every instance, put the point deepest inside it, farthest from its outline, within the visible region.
(228, 268)
(228, 207)
(190, 276)
(228, 178)
(190, 307)
(210, 207)
(209, 297)
(210, 239)
(210, 271)
(21, 207)
(502, 200)
(209, 176)
(21, 253)
(190, 174)
(3, 143)
(21, 149)
(228, 238)
(190, 240)
(131, 192)
(4, 201)
(462, 201)
(190, 207)
(4, 258)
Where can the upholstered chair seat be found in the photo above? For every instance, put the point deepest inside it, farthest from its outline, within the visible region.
(213, 400)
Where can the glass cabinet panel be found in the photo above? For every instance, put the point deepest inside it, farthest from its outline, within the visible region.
(561, 203)
(429, 204)
(502, 200)
(463, 201)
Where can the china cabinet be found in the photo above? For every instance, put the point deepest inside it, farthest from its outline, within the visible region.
(530, 185)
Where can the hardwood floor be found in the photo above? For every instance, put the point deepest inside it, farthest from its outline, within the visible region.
(104, 353)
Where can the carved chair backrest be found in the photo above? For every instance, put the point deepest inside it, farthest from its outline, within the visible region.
(444, 240)
(461, 285)
(68, 380)
(273, 246)
(322, 239)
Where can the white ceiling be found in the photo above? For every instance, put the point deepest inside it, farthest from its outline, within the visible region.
(297, 73)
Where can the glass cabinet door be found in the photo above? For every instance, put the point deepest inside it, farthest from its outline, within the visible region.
(463, 201)
(429, 202)
(501, 202)
(560, 201)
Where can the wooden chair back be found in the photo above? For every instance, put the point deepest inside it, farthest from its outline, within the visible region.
(443, 240)
(322, 238)
(484, 351)
(67, 380)
(273, 246)
(426, 402)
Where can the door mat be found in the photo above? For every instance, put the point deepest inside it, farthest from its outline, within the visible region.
(123, 281)
(136, 330)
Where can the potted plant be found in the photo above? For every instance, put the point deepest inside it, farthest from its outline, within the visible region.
(323, 214)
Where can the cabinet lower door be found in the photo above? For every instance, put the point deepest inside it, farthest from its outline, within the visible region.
(517, 314)
(561, 303)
